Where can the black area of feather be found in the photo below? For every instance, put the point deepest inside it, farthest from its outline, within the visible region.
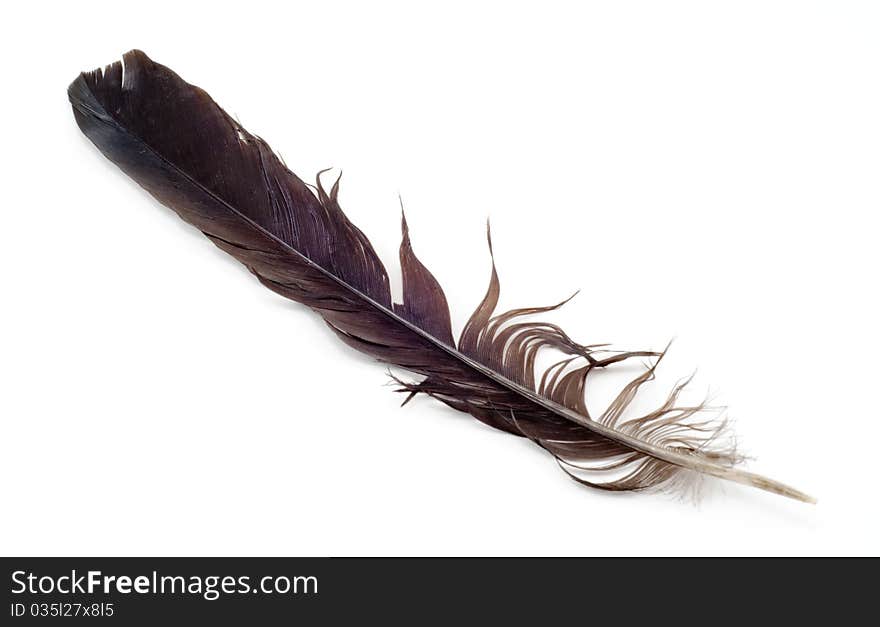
(180, 146)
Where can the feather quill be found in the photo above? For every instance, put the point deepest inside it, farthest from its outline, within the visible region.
(180, 146)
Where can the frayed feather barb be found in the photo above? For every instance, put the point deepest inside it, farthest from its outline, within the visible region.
(174, 140)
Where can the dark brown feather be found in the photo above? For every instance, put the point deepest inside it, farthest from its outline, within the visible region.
(172, 139)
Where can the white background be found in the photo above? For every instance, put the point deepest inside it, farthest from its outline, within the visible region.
(703, 171)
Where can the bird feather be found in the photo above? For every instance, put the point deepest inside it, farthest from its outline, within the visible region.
(180, 146)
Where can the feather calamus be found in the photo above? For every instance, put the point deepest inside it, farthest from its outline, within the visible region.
(180, 146)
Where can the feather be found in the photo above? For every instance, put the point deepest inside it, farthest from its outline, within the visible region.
(180, 146)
